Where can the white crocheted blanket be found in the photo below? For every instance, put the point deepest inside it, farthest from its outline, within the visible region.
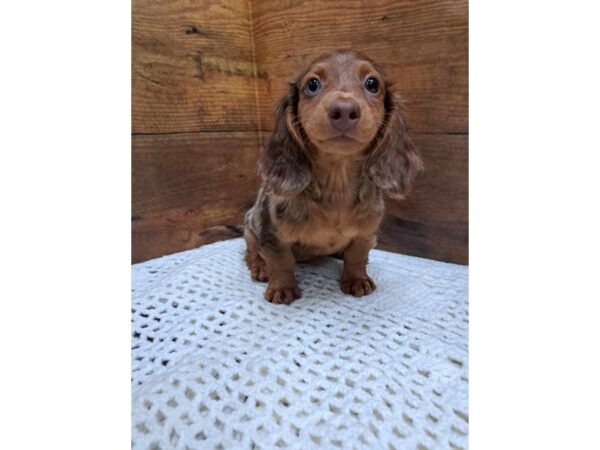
(214, 366)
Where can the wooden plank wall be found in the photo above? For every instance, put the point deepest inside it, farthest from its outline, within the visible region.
(206, 75)
(195, 122)
(423, 46)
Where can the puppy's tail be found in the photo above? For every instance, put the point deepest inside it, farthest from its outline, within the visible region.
(220, 233)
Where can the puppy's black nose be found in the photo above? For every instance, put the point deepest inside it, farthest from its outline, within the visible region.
(344, 114)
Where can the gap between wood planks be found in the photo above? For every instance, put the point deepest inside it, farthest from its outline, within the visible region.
(156, 133)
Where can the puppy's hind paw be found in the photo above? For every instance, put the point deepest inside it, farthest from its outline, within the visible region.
(258, 272)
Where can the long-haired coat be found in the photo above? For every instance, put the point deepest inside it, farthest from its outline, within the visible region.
(340, 143)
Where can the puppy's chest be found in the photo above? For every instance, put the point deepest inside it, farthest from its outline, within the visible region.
(329, 225)
(323, 228)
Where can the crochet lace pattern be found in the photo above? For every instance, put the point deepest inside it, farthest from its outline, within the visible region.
(215, 366)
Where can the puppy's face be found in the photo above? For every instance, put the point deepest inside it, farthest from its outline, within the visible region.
(341, 103)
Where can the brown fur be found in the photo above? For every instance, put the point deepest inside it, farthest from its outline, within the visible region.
(322, 189)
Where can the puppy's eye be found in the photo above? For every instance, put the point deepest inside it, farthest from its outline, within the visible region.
(372, 85)
(313, 86)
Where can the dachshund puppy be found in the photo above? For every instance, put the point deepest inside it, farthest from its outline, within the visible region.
(340, 143)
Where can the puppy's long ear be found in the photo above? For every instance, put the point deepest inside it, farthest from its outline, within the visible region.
(284, 164)
(394, 162)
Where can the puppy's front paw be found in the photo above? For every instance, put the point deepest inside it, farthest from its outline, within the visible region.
(282, 294)
(357, 286)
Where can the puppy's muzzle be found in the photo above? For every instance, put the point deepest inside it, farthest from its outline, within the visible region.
(344, 115)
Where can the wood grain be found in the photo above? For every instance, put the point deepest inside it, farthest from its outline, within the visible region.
(207, 74)
(448, 243)
(423, 46)
(185, 183)
(440, 193)
(433, 220)
(192, 66)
